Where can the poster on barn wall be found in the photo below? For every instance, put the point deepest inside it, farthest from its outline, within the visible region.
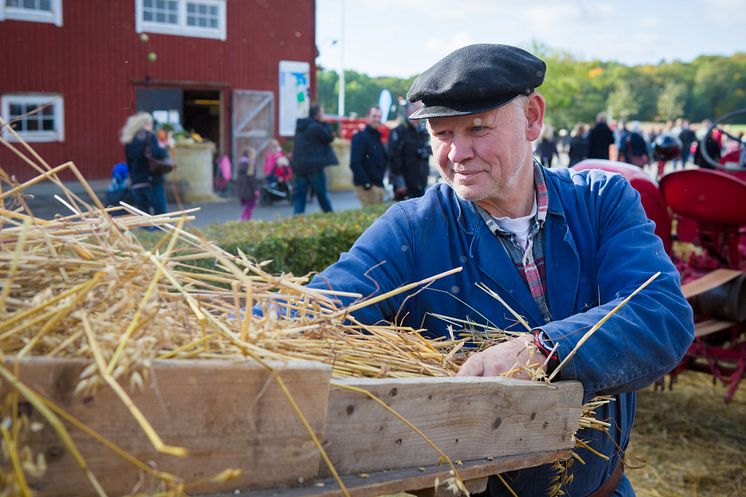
(294, 94)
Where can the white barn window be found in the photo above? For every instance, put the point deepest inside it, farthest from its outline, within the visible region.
(49, 11)
(36, 117)
(198, 18)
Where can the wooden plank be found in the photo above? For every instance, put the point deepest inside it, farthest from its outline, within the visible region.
(474, 486)
(404, 480)
(467, 418)
(708, 282)
(228, 414)
(704, 328)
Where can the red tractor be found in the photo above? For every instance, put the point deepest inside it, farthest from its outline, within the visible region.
(700, 214)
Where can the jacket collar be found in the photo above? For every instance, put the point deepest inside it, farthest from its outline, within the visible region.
(562, 263)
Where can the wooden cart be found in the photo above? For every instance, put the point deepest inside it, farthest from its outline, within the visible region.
(234, 415)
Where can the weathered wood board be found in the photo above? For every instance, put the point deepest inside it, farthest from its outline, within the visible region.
(226, 414)
(417, 480)
(467, 418)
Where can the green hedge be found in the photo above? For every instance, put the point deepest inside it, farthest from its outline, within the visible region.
(297, 245)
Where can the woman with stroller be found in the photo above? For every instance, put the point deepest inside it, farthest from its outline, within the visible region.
(146, 187)
(277, 174)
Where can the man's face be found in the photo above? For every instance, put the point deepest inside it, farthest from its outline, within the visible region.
(374, 118)
(484, 157)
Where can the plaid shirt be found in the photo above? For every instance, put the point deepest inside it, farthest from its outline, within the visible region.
(529, 260)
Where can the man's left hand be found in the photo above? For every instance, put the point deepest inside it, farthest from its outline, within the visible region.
(511, 355)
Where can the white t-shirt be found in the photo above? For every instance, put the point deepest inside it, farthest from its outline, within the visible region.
(519, 226)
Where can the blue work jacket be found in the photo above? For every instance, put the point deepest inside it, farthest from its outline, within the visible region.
(599, 247)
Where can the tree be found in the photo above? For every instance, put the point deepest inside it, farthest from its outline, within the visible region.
(671, 101)
(623, 101)
(577, 90)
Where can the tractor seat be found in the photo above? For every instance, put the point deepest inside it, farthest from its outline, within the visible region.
(706, 196)
(650, 197)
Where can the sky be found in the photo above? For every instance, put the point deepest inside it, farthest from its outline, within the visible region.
(404, 37)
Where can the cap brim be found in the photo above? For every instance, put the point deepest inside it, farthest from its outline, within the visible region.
(435, 111)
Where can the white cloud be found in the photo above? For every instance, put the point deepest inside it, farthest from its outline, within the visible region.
(651, 23)
(454, 41)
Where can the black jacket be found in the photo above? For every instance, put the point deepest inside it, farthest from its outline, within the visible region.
(312, 151)
(578, 149)
(137, 164)
(409, 152)
(367, 158)
(599, 139)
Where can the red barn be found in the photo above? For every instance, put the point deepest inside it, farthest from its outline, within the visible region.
(72, 71)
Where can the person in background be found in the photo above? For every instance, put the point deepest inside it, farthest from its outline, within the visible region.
(247, 182)
(546, 149)
(118, 190)
(563, 142)
(409, 152)
(634, 148)
(713, 146)
(687, 137)
(578, 144)
(147, 188)
(600, 138)
(368, 160)
(271, 154)
(620, 137)
(312, 153)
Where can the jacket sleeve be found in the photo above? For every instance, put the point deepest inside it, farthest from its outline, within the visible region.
(395, 147)
(358, 150)
(373, 268)
(648, 336)
(155, 149)
(323, 132)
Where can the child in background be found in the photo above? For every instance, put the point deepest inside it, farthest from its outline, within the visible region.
(118, 190)
(247, 182)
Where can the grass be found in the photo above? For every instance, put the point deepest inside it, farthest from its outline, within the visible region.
(692, 442)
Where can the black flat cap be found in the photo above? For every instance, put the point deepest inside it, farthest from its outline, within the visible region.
(475, 79)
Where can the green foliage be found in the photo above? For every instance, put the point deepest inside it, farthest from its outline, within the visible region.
(297, 245)
(672, 100)
(577, 90)
(623, 101)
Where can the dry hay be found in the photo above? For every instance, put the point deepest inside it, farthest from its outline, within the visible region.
(692, 442)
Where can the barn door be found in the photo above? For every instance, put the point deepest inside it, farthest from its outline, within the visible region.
(253, 123)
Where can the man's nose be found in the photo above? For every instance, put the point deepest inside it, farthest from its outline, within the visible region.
(461, 150)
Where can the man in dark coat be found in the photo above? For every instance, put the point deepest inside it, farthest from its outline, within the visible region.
(368, 160)
(409, 153)
(599, 139)
(312, 153)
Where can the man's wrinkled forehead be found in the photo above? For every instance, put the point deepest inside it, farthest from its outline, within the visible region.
(490, 117)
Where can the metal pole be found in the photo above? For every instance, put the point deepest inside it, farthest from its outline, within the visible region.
(341, 102)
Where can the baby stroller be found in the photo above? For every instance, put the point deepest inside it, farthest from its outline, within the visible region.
(118, 190)
(277, 185)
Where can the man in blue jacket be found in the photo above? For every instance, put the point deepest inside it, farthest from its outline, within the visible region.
(562, 248)
(368, 160)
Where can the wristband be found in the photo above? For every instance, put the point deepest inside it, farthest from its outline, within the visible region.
(545, 345)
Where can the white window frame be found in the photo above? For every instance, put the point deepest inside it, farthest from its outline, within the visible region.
(21, 14)
(58, 135)
(181, 28)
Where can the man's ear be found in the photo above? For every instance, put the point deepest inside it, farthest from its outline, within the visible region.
(534, 115)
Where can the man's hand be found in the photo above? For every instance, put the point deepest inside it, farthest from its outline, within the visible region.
(511, 355)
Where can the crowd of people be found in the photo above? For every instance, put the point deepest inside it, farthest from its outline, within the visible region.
(631, 143)
(399, 159)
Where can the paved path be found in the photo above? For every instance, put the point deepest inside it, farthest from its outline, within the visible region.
(44, 205)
